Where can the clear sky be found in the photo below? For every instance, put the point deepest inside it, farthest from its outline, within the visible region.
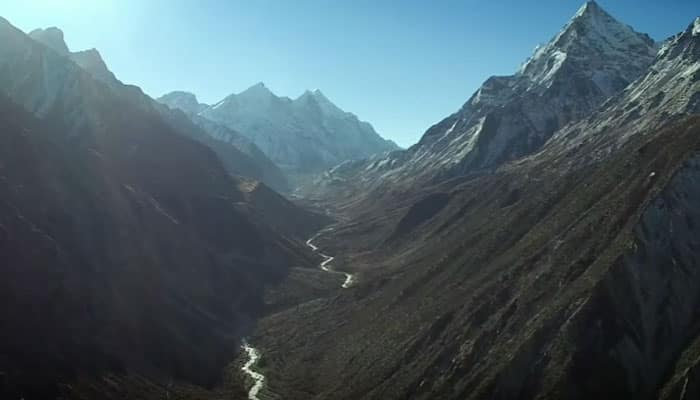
(402, 65)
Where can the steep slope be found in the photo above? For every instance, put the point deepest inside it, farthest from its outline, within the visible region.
(593, 58)
(571, 273)
(127, 248)
(667, 91)
(238, 161)
(302, 136)
(255, 164)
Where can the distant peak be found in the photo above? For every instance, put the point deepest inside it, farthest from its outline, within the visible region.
(591, 13)
(696, 27)
(314, 94)
(180, 94)
(318, 94)
(594, 33)
(51, 37)
(588, 8)
(260, 86)
(257, 89)
(182, 100)
(592, 21)
(93, 54)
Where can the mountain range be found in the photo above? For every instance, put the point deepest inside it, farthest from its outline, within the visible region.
(126, 244)
(591, 59)
(302, 136)
(280, 138)
(541, 242)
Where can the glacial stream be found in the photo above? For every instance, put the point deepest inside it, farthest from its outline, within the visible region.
(253, 357)
(349, 279)
(254, 354)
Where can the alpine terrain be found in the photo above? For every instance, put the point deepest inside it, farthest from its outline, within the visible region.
(541, 242)
(303, 135)
(549, 253)
(593, 58)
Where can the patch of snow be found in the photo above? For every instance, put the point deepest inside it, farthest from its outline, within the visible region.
(581, 10)
(451, 128)
(217, 105)
(692, 69)
(696, 27)
(349, 279)
(161, 211)
(558, 58)
(471, 137)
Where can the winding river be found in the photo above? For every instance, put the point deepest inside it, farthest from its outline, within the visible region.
(253, 357)
(254, 354)
(349, 279)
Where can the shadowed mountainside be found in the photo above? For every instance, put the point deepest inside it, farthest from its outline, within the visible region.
(128, 249)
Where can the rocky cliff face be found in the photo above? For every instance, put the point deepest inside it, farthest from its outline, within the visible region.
(303, 135)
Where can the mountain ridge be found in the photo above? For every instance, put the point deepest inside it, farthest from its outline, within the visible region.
(567, 273)
(592, 58)
(301, 135)
(238, 157)
(128, 247)
(541, 242)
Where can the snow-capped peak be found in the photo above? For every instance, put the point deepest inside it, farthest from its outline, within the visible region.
(591, 35)
(696, 26)
(319, 99)
(590, 7)
(256, 93)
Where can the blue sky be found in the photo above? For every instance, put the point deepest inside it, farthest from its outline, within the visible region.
(401, 65)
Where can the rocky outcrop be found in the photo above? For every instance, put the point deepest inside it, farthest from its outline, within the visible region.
(52, 37)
